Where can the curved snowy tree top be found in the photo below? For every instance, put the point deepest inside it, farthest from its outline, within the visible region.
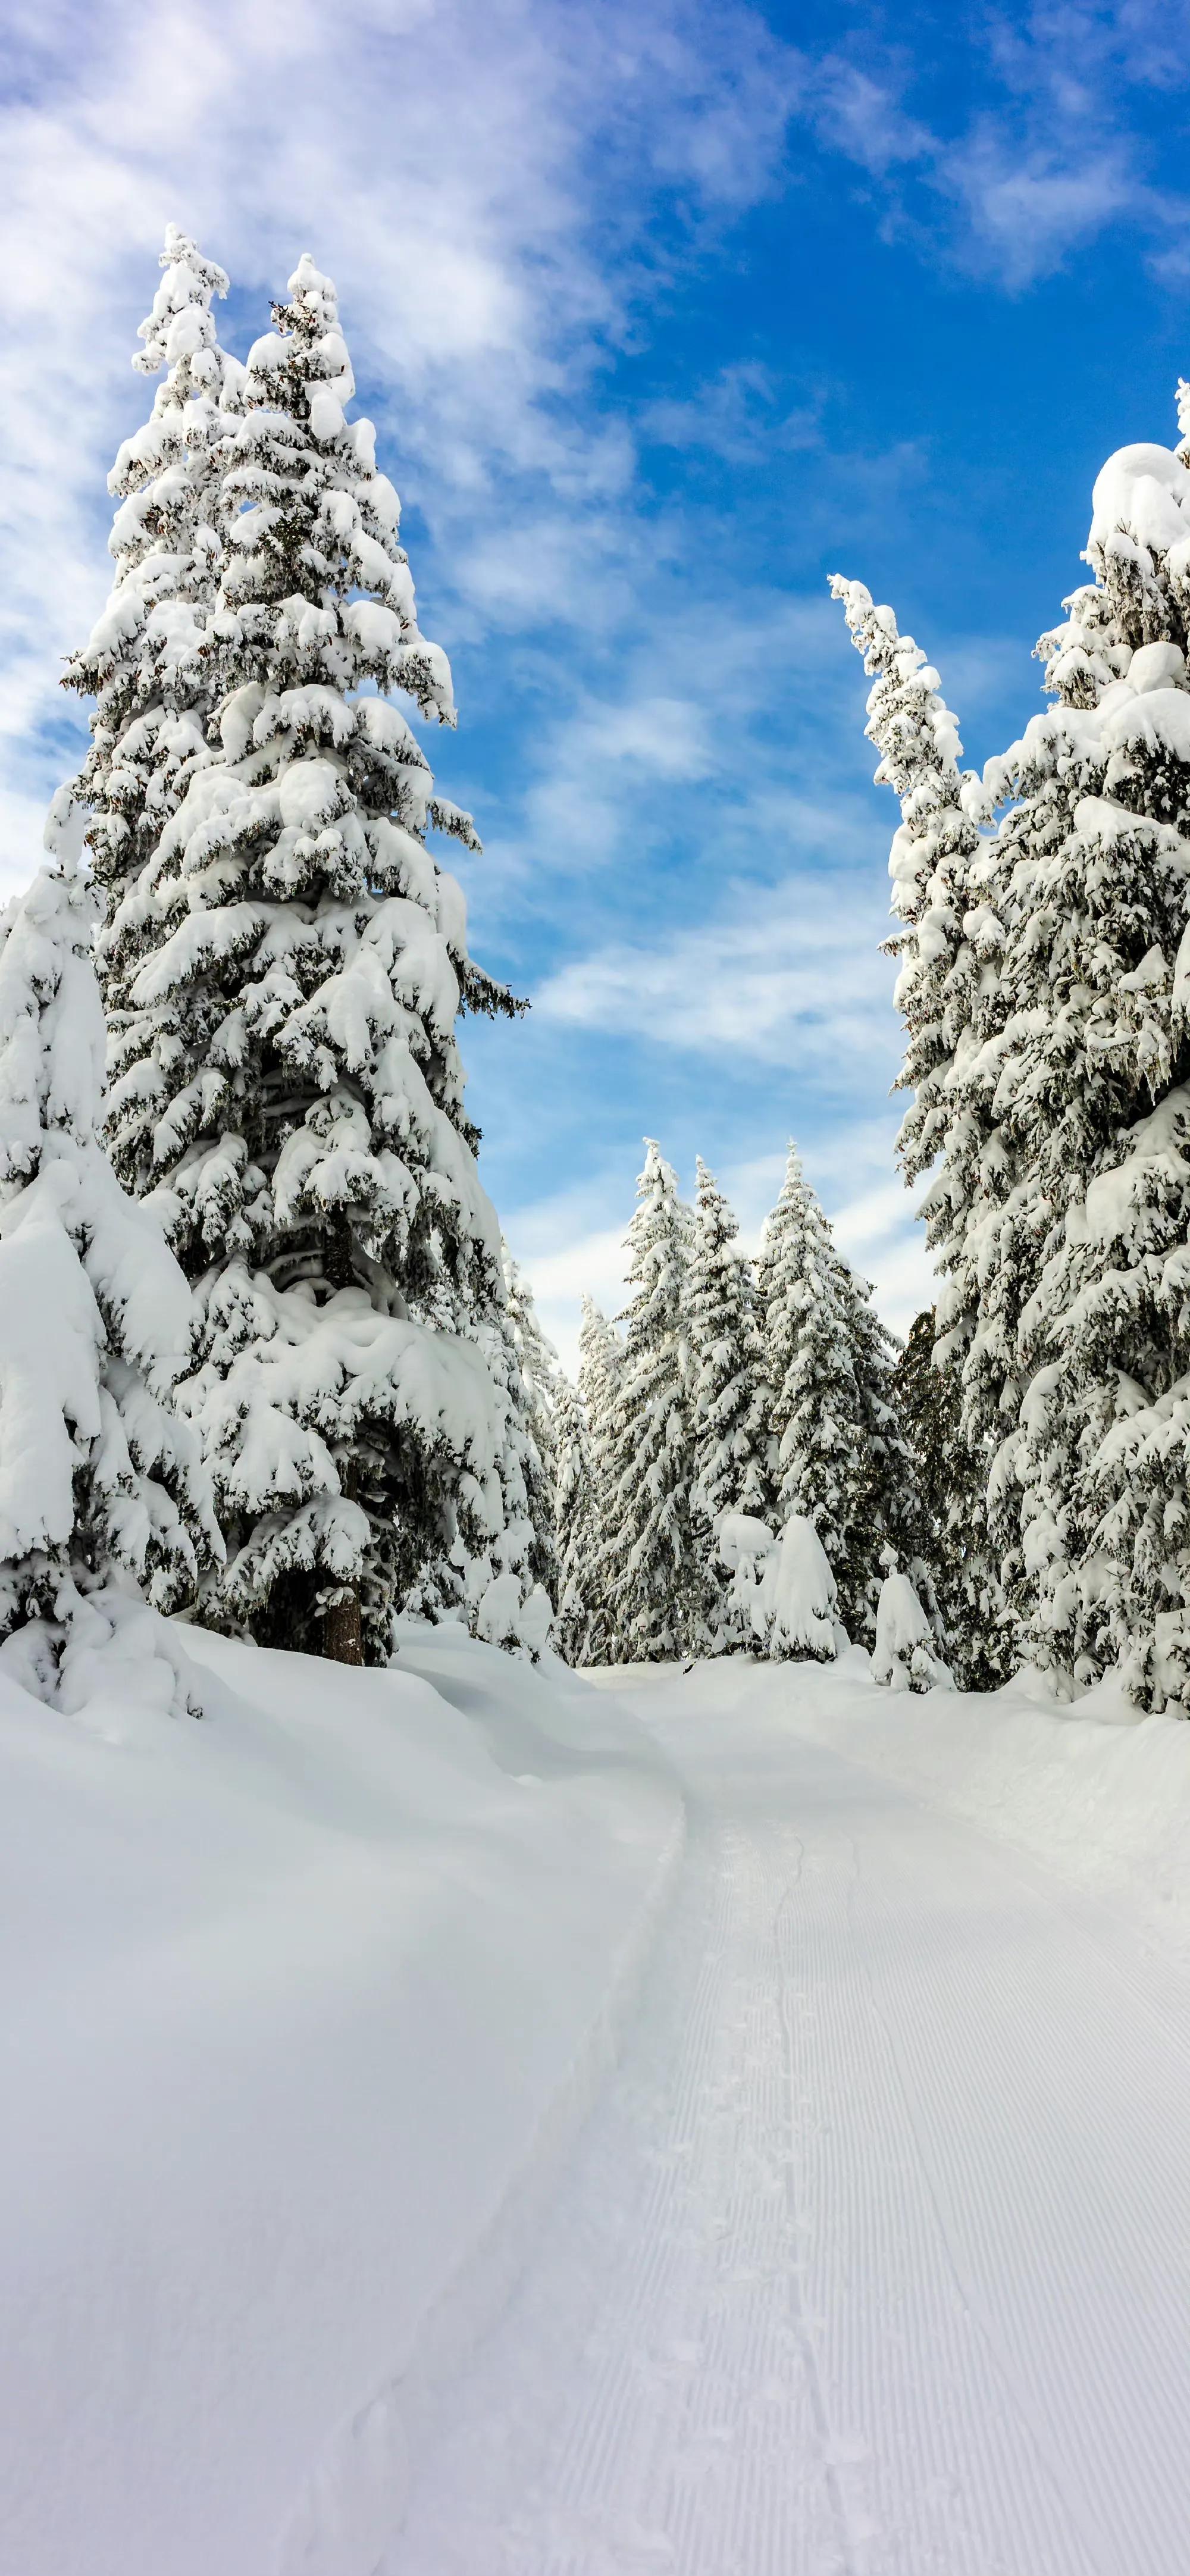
(179, 334)
(1141, 495)
(794, 1192)
(314, 527)
(1123, 640)
(163, 538)
(917, 737)
(179, 324)
(1118, 666)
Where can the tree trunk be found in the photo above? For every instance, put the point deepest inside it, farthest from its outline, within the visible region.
(342, 1637)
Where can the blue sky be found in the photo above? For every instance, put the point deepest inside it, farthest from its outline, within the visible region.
(664, 312)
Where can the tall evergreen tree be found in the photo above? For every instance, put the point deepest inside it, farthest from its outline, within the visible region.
(577, 1536)
(654, 1590)
(101, 1485)
(951, 1483)
(728, 1397)
(892, 1512)
(836, 1448)
(1068, 1272)
(601, 1360)
(816, 1451)
(543, 1390)
(149, 664)
(950, 895)
(288, 1074)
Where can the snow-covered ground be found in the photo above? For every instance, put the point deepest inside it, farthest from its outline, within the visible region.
(291, 2001)
(871, 2257)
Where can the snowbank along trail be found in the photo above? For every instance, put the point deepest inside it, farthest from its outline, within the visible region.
(874, 2259)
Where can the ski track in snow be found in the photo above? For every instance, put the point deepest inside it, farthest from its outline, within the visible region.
(874, 2259)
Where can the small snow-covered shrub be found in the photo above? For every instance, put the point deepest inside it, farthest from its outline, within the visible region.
(503, 1619)
(906, 1656)
(800, 1596)
(746, 1547)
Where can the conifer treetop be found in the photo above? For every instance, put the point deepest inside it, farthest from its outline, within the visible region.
(147, 661)
(319, 592)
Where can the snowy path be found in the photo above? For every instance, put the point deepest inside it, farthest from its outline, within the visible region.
(875, 2258)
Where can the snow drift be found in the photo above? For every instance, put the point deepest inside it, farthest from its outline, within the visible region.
(296, 1999)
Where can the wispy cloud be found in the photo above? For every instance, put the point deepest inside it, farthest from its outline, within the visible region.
(739, 415)
(1053, 152)
(787, 977)
(472, 171)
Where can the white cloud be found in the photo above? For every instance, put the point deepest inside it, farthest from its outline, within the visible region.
(791, 977)
(1026, 209)
(737, 415)
(437, 157)
(1055, 152)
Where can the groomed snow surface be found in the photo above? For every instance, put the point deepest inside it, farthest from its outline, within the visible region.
(463, 2122)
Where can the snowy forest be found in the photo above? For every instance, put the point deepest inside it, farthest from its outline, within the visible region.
(594, 1361)
(294, 1385)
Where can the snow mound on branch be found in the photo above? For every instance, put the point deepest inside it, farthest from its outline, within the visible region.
(1145, 491)
(743, 1540)
(905, 1656)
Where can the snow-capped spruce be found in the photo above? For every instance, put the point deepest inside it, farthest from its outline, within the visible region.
(601, 1360)
(148, 663)
(542, 1385)
(949, 932)
(293, 1072)
(728, 1398)
(1098, 850)
(101, 1485)
(1064, 1253)
(654, 1582)
(951, 1481)
(522, 1545)
(819, 1458)
(892, 1512)
(577, 1534)
(949, 895)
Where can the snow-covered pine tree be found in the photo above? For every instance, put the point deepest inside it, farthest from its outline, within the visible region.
(601, 1360)
(289, 1077)
(949, 895)
(1093, 1521)
(821, 1455)
(728, 1397)
(148, 663)
(541, 1375)
(943, 887)
(1068, 1085)
(892, 1513)
(654, 1587)
(577, 1535)
(102, 1490)
(951, 1483)
(524, 1541)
